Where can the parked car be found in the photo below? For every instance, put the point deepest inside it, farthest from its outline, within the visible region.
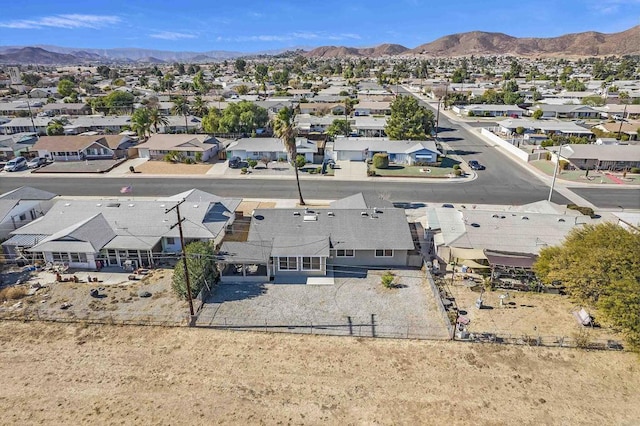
(235, 162)
(475, 165)
(34, 163)
(15, 164)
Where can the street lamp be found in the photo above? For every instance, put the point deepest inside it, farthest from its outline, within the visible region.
(555, 172)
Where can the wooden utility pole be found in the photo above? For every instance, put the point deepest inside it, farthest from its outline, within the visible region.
(184, 254)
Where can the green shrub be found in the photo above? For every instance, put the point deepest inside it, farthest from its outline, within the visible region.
(546, 143)
(381, 160)
(635, 170)
(371, 172)
(457, 172)
(243, 170)
(456, 167)
(300, 161)
(564, 164)
(252, 163)
(587, 211)
(388, 279)
(198, 157)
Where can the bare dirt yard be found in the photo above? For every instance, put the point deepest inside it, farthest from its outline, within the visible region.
(165, 168)
(75, 374)
(525, 314)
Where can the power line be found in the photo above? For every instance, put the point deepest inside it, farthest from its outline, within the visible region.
(184, 255)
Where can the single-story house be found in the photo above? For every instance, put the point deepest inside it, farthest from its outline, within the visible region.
(630, 129)
(16, 144)
(89, 234)
(178, 124)
(372, 108)
(273, 148)
(25, 124)
(547, 127)
(97, 123)
(371, 127)
(321, 108)
(296, 244)
(44, 92)
(400, 152)
(488, 110)
(307, 123)
(21, 206)
(600, 157)
(77, 148)
(565, 111)
(66, 109)
(160, 145)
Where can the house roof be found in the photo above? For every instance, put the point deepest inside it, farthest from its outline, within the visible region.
(373, 105)
(544, 125)
(563, 108)
(363, 229)
(602, 152)
(383, 145)
(245, 252)
(178, 142)
(361, 201)
(68, 142)
(368, 122)
(492, 107)
(86, 236)
(27, 193)
(296, 245)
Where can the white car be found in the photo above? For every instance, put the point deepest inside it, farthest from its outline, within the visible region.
(15, 164)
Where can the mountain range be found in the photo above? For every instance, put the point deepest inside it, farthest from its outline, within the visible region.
(470, 43)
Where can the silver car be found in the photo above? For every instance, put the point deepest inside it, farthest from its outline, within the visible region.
(15, 164)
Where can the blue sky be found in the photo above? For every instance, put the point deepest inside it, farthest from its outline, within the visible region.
(256, 25)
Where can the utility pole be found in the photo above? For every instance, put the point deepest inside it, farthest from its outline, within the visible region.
(624, 112)
(555, 172)
(184, 254)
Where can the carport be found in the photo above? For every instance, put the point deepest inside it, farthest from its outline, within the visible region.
(244, 261)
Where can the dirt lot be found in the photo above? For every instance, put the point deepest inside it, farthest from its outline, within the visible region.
(70, 374)
(119, 299)
(164, 168)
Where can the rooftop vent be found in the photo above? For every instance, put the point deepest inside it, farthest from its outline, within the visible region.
(310, 218)
(330, 214)
(98, 205)
(495, 216)
(525, 218)
(561, 220)
(131, 205)
(475, 225)
(364, 214)
(162, 205)
(67, 204)
(296, 213)
(377, 210)
(113, 205)
(195, 206)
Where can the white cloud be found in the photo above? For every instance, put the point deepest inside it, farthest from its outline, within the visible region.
(609, 7)
(68, 21)
(169, 35)
(300, 35)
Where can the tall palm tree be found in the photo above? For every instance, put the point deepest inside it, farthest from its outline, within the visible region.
(140, 122)
(200, 108)
(181, 107)
(283, 127)
(156, 119)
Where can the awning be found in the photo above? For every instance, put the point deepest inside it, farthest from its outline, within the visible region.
(512, 260)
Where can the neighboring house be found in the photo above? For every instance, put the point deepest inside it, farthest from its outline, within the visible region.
(565, 111)
(44, 92)
(188, 145)
(622, 127)
(66, 109)
(20, 107)
(89, 234)
(321, 108)
(400, 152)
(628, 112)
(17, 144)
(487, 110)
(600, 157)
(25, 124)
(543, 127)
(294, 245)
(372, 108)
(307, 123)
(76, 148)
(470, 237)
(97, 123)
(370, 127)
(272, 148)
(21, 206)
(178, 124)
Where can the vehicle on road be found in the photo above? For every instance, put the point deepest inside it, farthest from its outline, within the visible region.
(15, 164)
(235, 162)
(475, 165)
(36, 162)
(448, 206)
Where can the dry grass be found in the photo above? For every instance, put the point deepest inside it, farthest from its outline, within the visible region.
(164, 168)
(78, 374)
(12, 293)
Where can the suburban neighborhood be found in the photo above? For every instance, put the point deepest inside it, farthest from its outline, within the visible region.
(474, 201)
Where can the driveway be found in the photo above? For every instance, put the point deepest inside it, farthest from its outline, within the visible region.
(350, 170)
(352, 306)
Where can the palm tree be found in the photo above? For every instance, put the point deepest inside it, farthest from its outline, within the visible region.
(156, 119)
(181, 106)
(199, 107)
(283, 127)
(140, 122)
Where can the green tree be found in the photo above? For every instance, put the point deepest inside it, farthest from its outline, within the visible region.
(339, 127)
(600, 266)
(30, 79)
(200, 257)
(199, 107)
(181, 107)
(199, 85)
(537, 114)
(409, 120)
(593, 100)
(240, 65)
(66, 87)
(211, 121)
(156, 119)
(381, 160)
(575, 85)
(141, 122)
(118, 101)
(243, 117)
(55, 128)
(284, 128)
(242, 89)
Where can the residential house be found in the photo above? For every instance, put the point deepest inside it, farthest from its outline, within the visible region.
(159, 145)
(307, 123)
(89, 234)
(97, 123)
(21, 206)
(26, 124)
(489, 110)
(321, 108)
(18, 144)
(272, 148)
(66, 109)
(629, 130)
(599, 157)
(76, 148)
(565, 111)
(546, 127)
(20, 107)
(44, 92)
(370, 127)
(372, 108)
(302, 244)
(400, 152)
(178, 124)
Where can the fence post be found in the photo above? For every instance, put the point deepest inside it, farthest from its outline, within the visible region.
(350, 326)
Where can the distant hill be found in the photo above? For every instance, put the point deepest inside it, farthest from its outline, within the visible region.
(150, 60)
(341, 51)
(580, 44)
(36, 55)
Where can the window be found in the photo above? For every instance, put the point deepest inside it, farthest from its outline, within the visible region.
(78, 257)
(310, 263)
(288, 263)
(171, 241)
(23, 216)
(384, 253)
(345, 253)
(59, 257)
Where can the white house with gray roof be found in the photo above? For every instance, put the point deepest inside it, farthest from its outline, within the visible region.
(400, 152)
(317, 241)
(21, 206)
(272, 148)
(89, 234)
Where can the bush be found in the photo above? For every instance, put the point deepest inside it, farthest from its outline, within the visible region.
(198, 157)
(244, 170)
(457, 172)
(188, 160)
(635, 170)
(564, 164)
(371, 172)
(546, 143)
(387, 280)
(300, 161)
(380, 160)
(456, 167)
(252, 163)
(587, 211)
(12, 293)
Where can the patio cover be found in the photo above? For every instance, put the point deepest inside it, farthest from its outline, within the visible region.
(512, 260)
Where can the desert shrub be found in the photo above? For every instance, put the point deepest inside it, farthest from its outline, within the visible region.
(371, 172)
(380, 160)
(244, 170)
(12, 293)
(456, 167)
(300, 161)
(635, 170)
(587, 211)
(564, 164)
(252, 163)
(387, 279)
(457, 172)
